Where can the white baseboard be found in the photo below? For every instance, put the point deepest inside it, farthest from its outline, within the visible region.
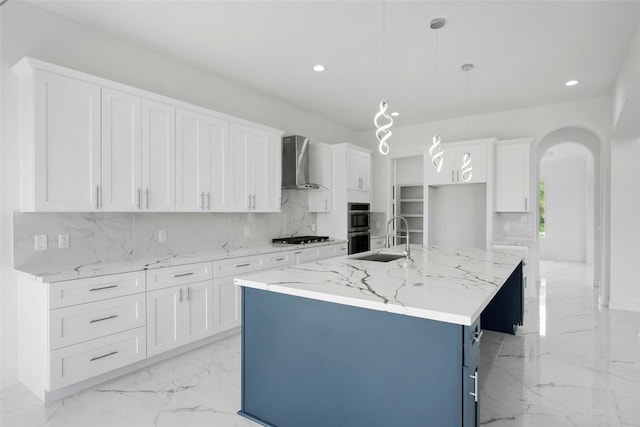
(624, 305)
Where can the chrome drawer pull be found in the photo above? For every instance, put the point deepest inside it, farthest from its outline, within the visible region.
(104, 287)
(477, 336)
(188, 294)
(280, 259)
(113, 316)
(475, 386)
(104, 355)
(183, 274)
(243, 265)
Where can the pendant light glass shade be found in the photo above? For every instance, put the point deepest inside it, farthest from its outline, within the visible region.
(383, 131)
(436, 153)
(466, 167)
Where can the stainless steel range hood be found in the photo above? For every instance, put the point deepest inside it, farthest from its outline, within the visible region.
(295, 163)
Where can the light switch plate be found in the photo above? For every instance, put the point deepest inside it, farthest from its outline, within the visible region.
(41, 242)
(162, 235)
(63, 241)
(247, 232)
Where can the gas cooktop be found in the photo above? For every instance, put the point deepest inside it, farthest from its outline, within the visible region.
(297, 240)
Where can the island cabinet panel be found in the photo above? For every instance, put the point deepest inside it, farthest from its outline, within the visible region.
(313, 363)
(505, 312)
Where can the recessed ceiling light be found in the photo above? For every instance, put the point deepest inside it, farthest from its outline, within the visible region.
(571, 83)
(395, 114)
(319, 68)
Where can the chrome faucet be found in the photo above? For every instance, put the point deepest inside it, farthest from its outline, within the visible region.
(407, 251)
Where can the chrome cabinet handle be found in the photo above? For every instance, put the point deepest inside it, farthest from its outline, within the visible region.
(280, 259)
(477, 336)
(208, 200)
(453, 179)
(180, 295)
(183, 274)
(254, 201)
(139, 197)
(202, 200)
(147, 198)
(326, 204)
(188, 295)
(526, 203)
(249, 205)
(243, 265)
(97, 197)
(103, 287)
(103, 356)
(475, 386)
(113, 316)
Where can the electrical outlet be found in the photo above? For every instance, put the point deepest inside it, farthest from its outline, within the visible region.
(41, 242)
(313, 227)
(63, 241)
(247, 232)
(162, 235)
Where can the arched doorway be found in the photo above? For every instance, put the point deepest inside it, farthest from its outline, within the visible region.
(592, 143)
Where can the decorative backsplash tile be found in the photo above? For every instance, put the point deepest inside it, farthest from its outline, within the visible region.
(111, 236)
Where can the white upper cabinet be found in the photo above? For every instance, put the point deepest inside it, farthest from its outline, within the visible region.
(158, 156)
(91, 144)
(320, 173)
(453, 157)
(121, 151)
(358, 170)
(254, 161)
(512, 176)
(138, 153)
(201, 171)
(60, 150)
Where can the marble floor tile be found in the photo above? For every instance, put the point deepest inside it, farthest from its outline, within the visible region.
(571, 364)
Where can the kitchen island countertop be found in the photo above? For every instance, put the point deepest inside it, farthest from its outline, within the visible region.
(452, 286)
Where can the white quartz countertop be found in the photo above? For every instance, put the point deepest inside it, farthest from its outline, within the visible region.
(66, 271)
(452, 286)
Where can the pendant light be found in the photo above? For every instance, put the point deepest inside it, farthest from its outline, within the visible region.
(466, 167)
(383, 130)
(435, 151)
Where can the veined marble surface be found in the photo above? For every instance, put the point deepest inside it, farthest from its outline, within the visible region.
(571, 364)
(69, 271)
(451, 286)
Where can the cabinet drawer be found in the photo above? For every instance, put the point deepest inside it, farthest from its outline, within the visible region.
(81, 361)
(279, 259)
(178, 275)
(236, 266)
(80, 291)
(72, 325)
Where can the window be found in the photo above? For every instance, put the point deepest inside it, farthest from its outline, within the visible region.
(543, 223)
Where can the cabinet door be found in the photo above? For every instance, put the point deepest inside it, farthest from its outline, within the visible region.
(227, 302)
(512, 178)
(478, 154)
(198, 302)
(319, 201)
(121, 151)
(67, 144)
(320, 173)
(201, 143)
(164, 320)
(239, 196)
(364, 170)
(158, 157)
(447, 171)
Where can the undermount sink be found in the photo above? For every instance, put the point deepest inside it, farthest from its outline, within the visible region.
(380, 257)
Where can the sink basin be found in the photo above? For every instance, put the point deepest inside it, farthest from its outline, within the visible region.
(380, 257)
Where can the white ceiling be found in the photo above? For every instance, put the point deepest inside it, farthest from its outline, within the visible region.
(523, 51)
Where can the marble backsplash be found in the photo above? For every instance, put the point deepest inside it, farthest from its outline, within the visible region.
(517, 226)
(111, 236)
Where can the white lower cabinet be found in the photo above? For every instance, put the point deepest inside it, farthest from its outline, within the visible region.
(300, 256)
(81, 361)
(178, 314)
(228, 298)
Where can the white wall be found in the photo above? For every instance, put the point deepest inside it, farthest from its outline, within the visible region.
(566, 208)
(625, 225)
(30, 31)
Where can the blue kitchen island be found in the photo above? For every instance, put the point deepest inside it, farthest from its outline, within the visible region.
(348, 342)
